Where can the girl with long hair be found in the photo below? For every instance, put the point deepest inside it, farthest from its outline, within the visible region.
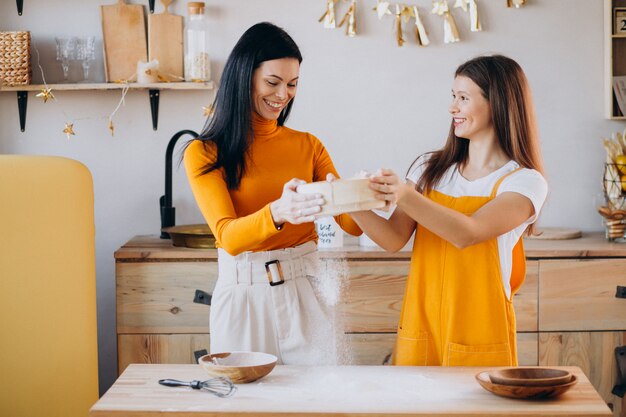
(468, 204)
(243, 170)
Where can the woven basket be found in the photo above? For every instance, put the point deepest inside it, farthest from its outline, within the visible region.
(15, 66)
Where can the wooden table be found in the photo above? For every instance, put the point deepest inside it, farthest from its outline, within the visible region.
(336, 391)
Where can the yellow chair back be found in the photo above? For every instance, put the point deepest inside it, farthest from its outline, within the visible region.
(48, 350)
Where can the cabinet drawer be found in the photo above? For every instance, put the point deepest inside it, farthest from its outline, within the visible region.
(157, 297)
(159, 348)
(593, 352)
(373, 297)
(580, 295)
(372, 300)
(373, 348)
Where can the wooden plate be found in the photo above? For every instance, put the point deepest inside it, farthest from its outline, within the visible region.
(528, 393)
(555, 233)
(530, 376)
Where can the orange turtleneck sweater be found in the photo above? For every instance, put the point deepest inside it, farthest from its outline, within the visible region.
(241, 219)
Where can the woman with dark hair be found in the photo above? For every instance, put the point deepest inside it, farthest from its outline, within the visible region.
(243, 170)
(469, 204)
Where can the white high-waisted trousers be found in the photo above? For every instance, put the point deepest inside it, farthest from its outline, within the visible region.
(286, 320)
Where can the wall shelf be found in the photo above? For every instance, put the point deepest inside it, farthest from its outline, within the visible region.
(614, 59)
(154, 90)
(20, 6)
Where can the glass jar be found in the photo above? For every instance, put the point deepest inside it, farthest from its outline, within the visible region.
(197, 62)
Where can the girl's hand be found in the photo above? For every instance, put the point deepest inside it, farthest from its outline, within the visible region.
(295, 208)
(388, 187)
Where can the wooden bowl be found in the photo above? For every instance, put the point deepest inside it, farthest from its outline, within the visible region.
(240, 367)
(530, 377)
(343, 196)
(521, 392)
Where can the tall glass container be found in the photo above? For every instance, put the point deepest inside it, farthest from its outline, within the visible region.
(197, 62)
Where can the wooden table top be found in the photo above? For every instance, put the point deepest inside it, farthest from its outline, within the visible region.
(336, 391)
(149, 248)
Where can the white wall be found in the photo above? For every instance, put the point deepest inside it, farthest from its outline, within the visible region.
(373, 104)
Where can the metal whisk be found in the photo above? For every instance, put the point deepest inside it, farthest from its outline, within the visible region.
(221, 386)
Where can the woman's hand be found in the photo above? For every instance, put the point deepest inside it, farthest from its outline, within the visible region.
(388, 187)
(295, 208)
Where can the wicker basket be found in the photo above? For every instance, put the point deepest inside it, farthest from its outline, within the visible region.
(15, 68)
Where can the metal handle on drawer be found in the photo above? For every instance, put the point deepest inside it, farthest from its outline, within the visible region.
(620, 292)
(202, 297)
(620, 356)
(200, 353)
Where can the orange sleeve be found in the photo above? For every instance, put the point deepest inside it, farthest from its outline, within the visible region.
(233, 234)
(323, 166)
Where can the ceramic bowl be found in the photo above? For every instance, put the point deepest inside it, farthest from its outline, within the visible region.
(530, 377)
(240, 367)
(343, 196)
(521, 392)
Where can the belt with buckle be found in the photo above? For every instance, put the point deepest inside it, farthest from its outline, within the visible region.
(274, 273)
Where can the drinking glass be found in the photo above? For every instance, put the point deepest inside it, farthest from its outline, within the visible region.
(66, 50)
(86, 52)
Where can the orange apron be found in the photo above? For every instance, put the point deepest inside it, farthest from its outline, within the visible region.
(455, 310)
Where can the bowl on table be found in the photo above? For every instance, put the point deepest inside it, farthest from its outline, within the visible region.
(523, 392)
(240, 367)
(343, 196)
(530, 376)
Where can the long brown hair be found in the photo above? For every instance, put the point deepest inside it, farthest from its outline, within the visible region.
(504, 85)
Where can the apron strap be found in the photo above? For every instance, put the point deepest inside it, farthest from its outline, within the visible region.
(497, 185)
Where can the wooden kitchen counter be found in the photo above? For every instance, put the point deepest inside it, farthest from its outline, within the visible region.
(336, 391)
(151, 247)
(568, 311)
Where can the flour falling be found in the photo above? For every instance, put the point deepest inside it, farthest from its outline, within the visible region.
(329, 284)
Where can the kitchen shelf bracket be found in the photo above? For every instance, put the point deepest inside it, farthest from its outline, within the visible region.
(20, 6)
(154, 107)
(151, 4)
(22, 100)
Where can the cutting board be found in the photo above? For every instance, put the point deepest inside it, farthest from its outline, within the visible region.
(556, 233)
(165, 42)
(124, 39)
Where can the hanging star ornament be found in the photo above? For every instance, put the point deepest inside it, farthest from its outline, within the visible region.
(69, 130)
(439, 7)
(46, 93)
(111, 127)
(382, 9)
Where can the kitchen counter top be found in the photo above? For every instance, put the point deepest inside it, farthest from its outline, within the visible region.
(151, 248)
(336, 391)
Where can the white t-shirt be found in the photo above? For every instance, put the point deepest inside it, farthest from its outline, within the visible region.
(527, 182)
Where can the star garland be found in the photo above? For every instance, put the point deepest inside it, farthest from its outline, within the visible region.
(46, 94)
(403, 13)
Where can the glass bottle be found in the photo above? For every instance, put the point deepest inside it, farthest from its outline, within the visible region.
(197, 62)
